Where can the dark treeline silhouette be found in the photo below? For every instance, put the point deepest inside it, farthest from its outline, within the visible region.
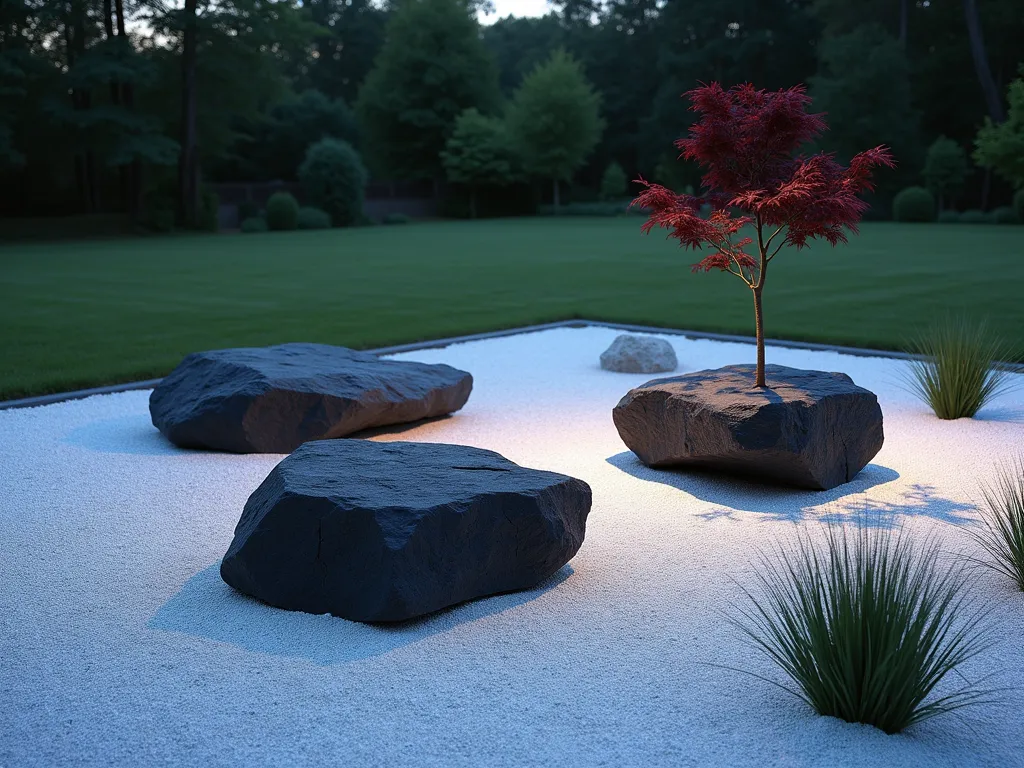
(139, 106)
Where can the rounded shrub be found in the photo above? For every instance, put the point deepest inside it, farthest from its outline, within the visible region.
(248, 210)
(334, 179)
(395, 218)
(949, 217)
(914, 204)
(282, 211)
(974, 216)
(254, 224)
(313, 218)
(1005, 215)
(1018, 204)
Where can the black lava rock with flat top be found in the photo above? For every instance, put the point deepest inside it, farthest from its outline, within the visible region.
(810, 429)
(273, 399)
(387, 531)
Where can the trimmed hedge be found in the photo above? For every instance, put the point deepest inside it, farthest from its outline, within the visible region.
(1004, 215)
(974, 216)
(313, 218)
(949, 217)
(914, 204)
(282, 212)
(254, 224)
(395, 218)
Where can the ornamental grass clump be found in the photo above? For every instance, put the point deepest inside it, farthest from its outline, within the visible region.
(867, 625)
(1002, 518)
(956, 371)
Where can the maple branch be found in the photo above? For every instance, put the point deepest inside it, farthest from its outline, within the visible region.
(734, 260)
(768, 242)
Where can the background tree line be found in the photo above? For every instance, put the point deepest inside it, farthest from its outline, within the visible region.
(136, 106)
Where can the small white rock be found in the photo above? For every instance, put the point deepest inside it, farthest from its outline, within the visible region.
(639, 354)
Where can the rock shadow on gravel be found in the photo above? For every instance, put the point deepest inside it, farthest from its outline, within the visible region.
(133, 435)
(206, 607)
(781, 503)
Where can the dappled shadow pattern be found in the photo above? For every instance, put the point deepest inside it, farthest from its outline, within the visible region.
(919, 500)
(746, 495)
(842, 503)
(207, 607)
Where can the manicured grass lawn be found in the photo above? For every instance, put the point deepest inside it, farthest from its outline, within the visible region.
(104, 311)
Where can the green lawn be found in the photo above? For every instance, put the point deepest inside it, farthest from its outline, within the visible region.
(104, 311)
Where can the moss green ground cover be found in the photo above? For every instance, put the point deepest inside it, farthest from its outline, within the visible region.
(77, 314)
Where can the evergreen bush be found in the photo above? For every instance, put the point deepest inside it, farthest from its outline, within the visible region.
(914, 204)
(254, 224)
(282, 212)
(334, 179)
(1005, 215)
(974, 216)
(313, 218)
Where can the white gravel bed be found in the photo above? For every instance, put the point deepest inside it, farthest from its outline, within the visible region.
(121, 646)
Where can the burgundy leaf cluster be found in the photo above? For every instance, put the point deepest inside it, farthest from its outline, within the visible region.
(747, 141)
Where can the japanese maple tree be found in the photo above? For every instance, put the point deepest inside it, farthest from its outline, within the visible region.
(747, 142)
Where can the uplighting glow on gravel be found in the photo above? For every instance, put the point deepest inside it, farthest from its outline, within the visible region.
(121, 646)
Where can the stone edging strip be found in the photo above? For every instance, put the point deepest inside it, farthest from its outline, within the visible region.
(59, 397)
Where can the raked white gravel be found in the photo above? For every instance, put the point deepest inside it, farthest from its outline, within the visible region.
(120, 645)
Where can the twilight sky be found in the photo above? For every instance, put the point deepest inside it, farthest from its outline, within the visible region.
(516, 8)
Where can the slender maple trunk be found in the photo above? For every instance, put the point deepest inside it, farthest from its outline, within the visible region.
(759, 330)
(472, 201)
(554, 193)
(758, 289)
(188, 161)
(981, 68)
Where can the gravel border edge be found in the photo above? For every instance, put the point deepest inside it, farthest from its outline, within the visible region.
(60, 397)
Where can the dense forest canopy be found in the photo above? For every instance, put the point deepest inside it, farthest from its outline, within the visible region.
(130, 105)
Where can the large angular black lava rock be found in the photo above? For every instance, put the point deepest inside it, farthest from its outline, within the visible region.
(373, 531)
(273, 399)
(806, 428)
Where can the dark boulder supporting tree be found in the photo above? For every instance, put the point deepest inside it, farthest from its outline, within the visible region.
(373, 531)
(810, 429)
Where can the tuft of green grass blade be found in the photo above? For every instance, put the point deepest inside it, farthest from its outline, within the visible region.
(1002, 518)
(956, 373)
(866, 626)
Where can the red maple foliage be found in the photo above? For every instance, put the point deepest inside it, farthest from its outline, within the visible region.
(747, 142)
